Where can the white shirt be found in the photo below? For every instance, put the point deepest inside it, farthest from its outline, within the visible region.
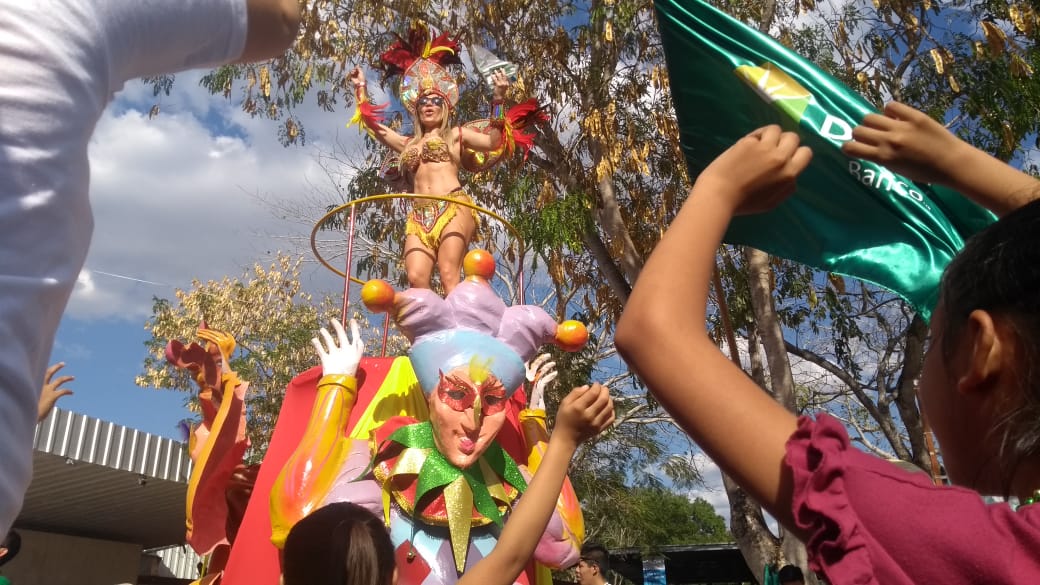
(60, 63)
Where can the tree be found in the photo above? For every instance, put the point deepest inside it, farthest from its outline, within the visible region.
(272, 321)
(649, 517)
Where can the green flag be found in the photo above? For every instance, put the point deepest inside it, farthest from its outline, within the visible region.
(849, 216)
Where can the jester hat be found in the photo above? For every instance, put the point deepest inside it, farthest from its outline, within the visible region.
(471, 327)
(421, 62)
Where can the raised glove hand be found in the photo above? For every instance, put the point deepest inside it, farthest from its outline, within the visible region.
(341, 355)
(540, 373)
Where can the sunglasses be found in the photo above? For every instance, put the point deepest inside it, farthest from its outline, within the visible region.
(434, 100)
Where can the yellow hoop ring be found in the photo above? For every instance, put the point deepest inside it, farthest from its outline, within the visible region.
(370, 198)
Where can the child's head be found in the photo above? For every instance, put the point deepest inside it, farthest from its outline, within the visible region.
(980, 387)
(339, 544)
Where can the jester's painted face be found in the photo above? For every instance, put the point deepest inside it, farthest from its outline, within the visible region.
(467, 410)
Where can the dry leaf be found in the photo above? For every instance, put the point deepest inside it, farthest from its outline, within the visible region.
(1019, 66)
(265, 82)
(837, 282)
(1023, 17)
(938, 59)
(1008, 137)
(995, 37)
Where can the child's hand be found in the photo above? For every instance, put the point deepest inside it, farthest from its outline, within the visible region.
(756, 173)
(584, 413)
(906, 141)
(52, 390)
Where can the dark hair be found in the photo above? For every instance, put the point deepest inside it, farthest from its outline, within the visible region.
(999, 271)
(338, 544)
(13, 543)
(594, 553)
(790, 573)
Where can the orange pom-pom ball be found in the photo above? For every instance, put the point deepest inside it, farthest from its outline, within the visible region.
(378, 296)
(571, 335)
(479, 263)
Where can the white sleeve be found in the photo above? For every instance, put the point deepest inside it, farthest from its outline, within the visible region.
(151, 37)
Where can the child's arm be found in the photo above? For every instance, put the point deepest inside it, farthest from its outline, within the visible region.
(583, 414)
(662, 333)
(272, 28)
(913, 144)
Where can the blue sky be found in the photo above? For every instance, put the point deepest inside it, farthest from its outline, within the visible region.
(176, 198)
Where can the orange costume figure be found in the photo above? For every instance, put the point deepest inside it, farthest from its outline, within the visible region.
(446, 447)
(439, 231)
(220, 484)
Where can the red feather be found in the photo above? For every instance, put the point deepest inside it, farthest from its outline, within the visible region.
(371, 114)
(522, 115)
(403, 52)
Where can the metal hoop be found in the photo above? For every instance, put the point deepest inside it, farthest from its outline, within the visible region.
(352, 204)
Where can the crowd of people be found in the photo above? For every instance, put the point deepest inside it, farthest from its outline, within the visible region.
(863, 520)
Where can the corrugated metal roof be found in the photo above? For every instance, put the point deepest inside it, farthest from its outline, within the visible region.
(101, 480)
(82, 438)
(179, 561)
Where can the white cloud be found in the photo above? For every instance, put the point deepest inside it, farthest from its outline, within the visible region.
(712, 491)
(175, 197)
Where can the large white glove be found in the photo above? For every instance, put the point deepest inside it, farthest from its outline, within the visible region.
(540, 374)
(341, 358)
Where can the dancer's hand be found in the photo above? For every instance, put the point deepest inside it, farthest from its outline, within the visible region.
(757, 173)
(342, 357)
(583, 414)
(357, 77)
(908, 142)
(540, 373)
(52, 391)
(499, 84)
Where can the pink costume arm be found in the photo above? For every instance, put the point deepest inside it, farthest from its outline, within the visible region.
(560, 545)
(312, 469)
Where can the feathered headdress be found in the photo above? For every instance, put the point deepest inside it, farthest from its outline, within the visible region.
(421, 62)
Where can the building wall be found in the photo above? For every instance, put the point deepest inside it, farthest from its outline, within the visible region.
(56, 559)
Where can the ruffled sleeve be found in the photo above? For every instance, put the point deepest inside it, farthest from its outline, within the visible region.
(815, 454)
(869, 522)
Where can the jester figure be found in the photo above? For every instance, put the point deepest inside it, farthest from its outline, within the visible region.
(446, 447)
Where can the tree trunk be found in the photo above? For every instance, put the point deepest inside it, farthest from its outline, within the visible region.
(753, 535)
(748, 526)
(906, 401)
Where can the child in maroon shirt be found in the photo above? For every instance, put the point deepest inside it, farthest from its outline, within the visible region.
(864, 520)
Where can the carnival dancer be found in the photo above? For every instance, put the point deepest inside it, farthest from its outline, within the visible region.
(439, 232)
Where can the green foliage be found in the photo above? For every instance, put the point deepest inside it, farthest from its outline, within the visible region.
(272, 321)
(651, 517)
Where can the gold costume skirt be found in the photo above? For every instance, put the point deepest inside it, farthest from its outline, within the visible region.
(428, 218)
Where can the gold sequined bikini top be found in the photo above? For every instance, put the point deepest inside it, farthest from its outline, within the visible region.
(433, 150)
